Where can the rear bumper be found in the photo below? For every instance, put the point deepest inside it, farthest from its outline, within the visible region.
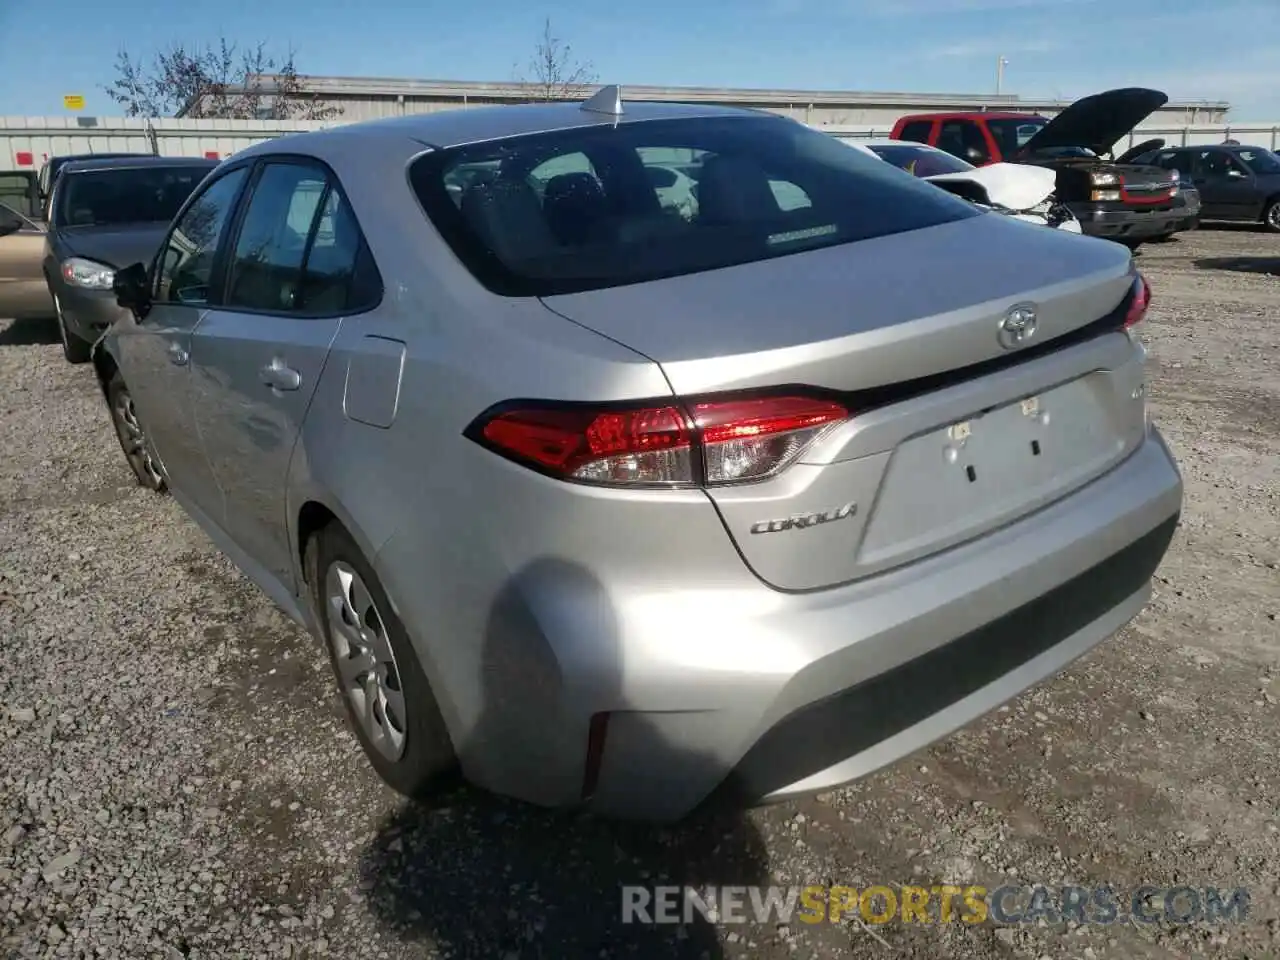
(1132, 224)
(745, 693)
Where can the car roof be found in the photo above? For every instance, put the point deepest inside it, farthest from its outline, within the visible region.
(136, 162)
(464, 125)
(958, 114)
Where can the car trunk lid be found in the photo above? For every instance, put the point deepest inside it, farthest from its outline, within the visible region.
(952, 433)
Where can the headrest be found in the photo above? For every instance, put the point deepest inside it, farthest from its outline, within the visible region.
(506, 215)
(734, 189)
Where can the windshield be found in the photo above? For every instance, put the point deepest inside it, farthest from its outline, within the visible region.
(578, 209)
(125, 195)
(1012, 133)
(1260, 161)
(921, 161)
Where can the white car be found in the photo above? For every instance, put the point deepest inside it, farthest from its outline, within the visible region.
(1018, 190)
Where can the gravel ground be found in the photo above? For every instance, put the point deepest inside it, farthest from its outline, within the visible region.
(176, 780)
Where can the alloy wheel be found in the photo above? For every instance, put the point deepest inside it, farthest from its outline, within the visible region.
(134, 440)
(367, 668)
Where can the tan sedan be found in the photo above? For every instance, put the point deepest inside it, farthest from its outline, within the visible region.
(23, 290)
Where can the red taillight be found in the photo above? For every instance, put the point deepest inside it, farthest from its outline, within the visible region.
(710, 442)
(1140, 302)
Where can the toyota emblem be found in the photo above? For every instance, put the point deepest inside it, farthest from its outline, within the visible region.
(1017, 326)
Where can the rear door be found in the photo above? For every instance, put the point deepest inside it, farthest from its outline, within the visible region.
(257, 356)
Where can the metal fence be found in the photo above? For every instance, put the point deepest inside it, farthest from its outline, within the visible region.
(27, 142)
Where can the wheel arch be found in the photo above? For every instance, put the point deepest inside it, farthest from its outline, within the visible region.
(104, 366)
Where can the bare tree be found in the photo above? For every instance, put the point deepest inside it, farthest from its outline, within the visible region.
(217, 80)
(553, 73)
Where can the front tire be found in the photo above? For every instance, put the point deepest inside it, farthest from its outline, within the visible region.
(133, 438)
(388, 701)
(74, 349)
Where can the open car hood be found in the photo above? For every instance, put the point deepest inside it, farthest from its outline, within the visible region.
(1012, 185)
(1098, 121)
(1146, 146)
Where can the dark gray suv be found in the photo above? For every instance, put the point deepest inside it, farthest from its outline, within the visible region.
(105, 214)
(1236, 182)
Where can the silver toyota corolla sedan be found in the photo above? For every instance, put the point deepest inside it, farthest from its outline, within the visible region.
(607, 497)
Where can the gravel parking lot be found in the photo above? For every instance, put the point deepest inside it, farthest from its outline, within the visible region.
(176, 779)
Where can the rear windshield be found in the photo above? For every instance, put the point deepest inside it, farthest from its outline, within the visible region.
(126, 195)
(604, 206)
(922, 161)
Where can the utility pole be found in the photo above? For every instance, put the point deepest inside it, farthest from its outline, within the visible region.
(1001, 63)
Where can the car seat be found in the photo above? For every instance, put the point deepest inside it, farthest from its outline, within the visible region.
(734, 189)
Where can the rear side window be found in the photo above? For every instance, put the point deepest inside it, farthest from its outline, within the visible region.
(917, 130)
(581, 209)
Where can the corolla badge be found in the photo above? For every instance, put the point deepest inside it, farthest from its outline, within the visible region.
(1017, 326)
(803, 521)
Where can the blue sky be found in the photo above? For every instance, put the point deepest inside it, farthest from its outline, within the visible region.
(1061, 48)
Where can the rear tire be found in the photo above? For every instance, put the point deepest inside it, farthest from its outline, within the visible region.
(133, 437)
(1271, 216)
(388, 700)
(73, 348)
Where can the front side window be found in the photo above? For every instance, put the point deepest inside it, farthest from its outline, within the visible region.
(125, 195)
(186, 261)
(757, 188)
(1261, 162)
(265, 271)
(300, 250)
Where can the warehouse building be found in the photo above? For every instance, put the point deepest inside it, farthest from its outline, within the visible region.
(367, 98)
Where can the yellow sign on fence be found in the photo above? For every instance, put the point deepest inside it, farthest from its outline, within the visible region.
(73, 101)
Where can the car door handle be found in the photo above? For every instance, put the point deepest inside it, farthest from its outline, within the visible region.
(279, 376)
(178, 355)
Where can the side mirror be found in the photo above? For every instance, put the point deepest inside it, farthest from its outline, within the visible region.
(9, 223)
(133, 289)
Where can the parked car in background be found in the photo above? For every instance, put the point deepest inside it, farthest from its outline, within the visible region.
(107, 213)
(18, 192)
(1126, 202)
(23, 291)
(53, 166)
(1235, 182)
(1016, 190)
(614, 506)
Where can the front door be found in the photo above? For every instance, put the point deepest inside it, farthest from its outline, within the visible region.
(23, 291)
(259, 354)
(1226, 188)
(154, 353)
